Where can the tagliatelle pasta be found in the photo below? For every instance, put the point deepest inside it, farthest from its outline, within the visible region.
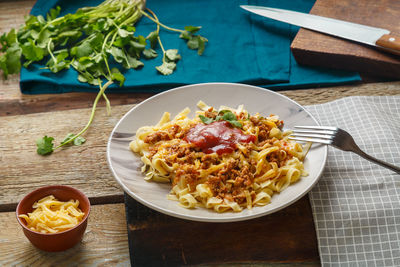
(52, 216)
(223, 159)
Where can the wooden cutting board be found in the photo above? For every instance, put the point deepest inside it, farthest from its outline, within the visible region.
(316, 49)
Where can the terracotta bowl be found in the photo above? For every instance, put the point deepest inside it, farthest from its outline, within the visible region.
(58, 241)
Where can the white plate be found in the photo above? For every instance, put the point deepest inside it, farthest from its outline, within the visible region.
(125, 165)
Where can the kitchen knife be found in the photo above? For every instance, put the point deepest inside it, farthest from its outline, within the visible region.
(378, 37)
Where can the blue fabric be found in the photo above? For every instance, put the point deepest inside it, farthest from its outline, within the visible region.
(242, 47)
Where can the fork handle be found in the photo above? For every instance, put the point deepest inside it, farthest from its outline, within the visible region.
(377, 161)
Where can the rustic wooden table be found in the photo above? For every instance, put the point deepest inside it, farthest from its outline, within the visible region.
(24, 118)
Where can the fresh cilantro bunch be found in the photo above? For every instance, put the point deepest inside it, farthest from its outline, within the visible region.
(91, 41)
(225, 115)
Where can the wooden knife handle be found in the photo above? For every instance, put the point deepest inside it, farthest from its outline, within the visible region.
(390, 43)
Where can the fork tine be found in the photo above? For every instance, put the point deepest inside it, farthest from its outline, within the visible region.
(330, 132)
(316, 134)
(314, 140)
(313, 135)
(331, 128)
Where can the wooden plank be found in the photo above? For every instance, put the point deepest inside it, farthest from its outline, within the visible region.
(83, 167)
(316, 49)
(323, 95)
(25, 104)
(86, 167)
(285, 236)
(12, 13)
(105, 242)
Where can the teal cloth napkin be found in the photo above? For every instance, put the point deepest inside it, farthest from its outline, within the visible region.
(242, 47)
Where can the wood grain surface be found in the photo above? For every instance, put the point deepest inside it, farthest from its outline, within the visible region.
(176, 242)
(105, 242)
(317, 49)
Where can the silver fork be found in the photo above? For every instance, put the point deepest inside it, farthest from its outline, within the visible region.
(335, 137)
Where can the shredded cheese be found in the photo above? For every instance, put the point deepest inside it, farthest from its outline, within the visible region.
(53, 216)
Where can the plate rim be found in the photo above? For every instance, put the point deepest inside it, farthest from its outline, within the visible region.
(199, 218)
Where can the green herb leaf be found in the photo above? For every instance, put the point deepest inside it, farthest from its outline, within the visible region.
(121, 42)
(197, 42)
(166, 68)
(77, 141)
(11, 37)
(117, 75)
(100, 25)
(124, 33)
(86, 77)
(31, 51)
(96, 41)
(135, 48)
(59, 66)
(172, 55)
(67, 138)
(13, 59)
(82, 50)
(43, 38)
(225, 115)
(149, 53)
(202, 45)
(53, 13)
(152, 37)
(185, 35)
(3, 65)
(229, 116)
(45, 145)
(74, 33)
(192, 29)
(206, 120)
(222, 112)
(236, 124)
(118, 54)
(193, 42)
(132, 62)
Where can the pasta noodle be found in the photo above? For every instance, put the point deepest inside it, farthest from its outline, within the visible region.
(53, 216)
(223, 159)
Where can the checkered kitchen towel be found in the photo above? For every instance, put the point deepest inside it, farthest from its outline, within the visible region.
(356, 204)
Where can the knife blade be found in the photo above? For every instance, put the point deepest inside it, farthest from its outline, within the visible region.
(377, 37)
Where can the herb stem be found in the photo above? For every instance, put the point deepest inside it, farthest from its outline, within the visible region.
(161, 45)
(105, 40)
(99, 94)
(156, 18)
(51, 54)
(108, 104)
(159, 23)
(108, 67)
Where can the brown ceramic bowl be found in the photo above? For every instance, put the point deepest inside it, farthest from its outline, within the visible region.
(58, 241)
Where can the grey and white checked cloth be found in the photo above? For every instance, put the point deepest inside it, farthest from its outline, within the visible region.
(356, 204)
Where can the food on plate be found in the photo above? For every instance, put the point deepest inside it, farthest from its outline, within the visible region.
(53, 216)
(222, 159)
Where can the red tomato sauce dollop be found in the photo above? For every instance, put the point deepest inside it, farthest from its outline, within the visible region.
(219, 137)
